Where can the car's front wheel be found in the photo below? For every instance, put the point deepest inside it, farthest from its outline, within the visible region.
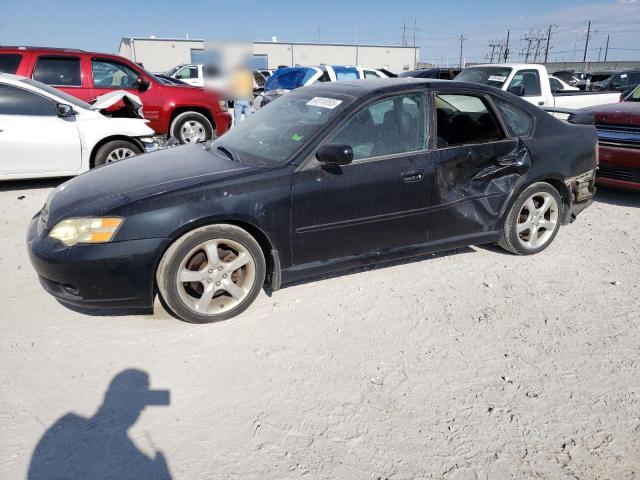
(211, 273)
(191, 127)
(115, 151)
(533, 220)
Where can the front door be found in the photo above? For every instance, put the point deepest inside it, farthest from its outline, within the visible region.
(109, 75)
(377, 202)
(33, 139)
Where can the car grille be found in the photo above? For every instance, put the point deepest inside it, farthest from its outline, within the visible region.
(626, 136)
(615, 172)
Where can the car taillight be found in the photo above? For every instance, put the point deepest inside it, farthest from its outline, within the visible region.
(597, 153)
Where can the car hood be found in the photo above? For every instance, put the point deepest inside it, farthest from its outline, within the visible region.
(623, 113)
(116, 184)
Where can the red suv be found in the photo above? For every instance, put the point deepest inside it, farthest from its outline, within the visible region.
(187, 113)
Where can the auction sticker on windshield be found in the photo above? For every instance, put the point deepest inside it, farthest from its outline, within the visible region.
(497, 78)
(324, 102)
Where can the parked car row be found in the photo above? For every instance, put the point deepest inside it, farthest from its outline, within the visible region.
(610, 80)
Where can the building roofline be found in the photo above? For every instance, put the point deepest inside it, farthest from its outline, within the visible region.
(273, 43)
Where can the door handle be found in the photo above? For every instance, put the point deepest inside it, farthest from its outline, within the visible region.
(413, 175)
(540, 103)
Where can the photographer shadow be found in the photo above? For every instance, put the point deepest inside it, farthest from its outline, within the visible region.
(98, 447)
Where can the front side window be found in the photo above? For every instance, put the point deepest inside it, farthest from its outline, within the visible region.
(58, 71)
(530, 80)
(16, 101)
(518, 122)
(188, 73)
(391, 126)
(371, 74)
(109, 74)
(9, 62)
(464, 119)
(621, 80)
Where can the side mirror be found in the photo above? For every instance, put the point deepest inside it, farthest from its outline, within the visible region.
(518, 90)
(142, 83)
(335, 154)
(64, 110)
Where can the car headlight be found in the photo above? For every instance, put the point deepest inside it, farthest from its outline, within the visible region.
(85, 230)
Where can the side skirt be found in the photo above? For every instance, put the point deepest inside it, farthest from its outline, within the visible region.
(294, 274)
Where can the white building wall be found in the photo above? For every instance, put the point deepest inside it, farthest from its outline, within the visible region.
(158, 55)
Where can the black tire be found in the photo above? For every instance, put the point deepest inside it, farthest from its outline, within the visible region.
(515, 242)
(103, 153)
(167, 273)
(196, 118)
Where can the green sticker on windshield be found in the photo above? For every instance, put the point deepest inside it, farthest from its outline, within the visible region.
(296, 137)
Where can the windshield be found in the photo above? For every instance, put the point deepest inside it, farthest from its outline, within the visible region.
(493, 76)
(278, 130)
(58, 93)
(288, 78)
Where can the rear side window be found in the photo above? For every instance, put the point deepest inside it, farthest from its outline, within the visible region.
(16, 101)
(530, 79)
(58, 71)
(518, 122)
(9, 62)
(463, 119)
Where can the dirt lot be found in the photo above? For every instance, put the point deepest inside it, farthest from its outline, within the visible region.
(470, 364)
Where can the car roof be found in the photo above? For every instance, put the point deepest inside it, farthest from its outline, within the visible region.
(51, 50)
(358, 88)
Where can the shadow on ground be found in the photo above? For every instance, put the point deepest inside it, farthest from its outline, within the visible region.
(26, 185)
(98, 448)
(622, 198)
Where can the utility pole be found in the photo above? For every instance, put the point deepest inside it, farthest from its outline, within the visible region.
(606, 50)
(599, 53)
(529, 39)
(538, 41)
(506, 48)
(493, 50)
(546, 52)
(404, 32)
(586, 44)
(462, 39)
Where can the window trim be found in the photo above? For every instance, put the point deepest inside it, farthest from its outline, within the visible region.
(37, 94)
(491, 109)
(111, 60)
(39, 57)
(311, 163)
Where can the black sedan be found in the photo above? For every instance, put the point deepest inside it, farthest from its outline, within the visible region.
(327, 177)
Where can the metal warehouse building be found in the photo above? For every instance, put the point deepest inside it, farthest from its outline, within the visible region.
(160, 54)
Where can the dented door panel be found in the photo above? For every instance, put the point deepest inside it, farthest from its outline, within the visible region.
(471, 184)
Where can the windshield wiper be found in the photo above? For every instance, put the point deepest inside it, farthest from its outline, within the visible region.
(229, 153)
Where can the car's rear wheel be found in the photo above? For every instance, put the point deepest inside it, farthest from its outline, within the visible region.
(212, 273)
(533, 220)
(115, 151)
(192, 127)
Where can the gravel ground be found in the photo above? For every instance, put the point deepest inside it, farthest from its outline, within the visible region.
(469, 364)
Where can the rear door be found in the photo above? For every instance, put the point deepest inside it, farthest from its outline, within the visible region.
(64, 72)
(33, 139)
(380, 200)
(476, 165)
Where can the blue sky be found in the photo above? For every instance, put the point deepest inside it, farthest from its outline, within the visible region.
(100, 25)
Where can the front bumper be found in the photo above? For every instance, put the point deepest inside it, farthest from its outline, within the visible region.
(619, 167)
(223, 122)
(113, 276)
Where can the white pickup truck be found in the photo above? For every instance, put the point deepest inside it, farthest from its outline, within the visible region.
(531, 82)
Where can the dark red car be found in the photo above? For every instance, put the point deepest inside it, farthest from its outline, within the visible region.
(618, 127)
(188, 113)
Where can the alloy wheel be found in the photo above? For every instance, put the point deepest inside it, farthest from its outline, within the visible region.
(537, 220)
(119, 154)
(215, 276)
